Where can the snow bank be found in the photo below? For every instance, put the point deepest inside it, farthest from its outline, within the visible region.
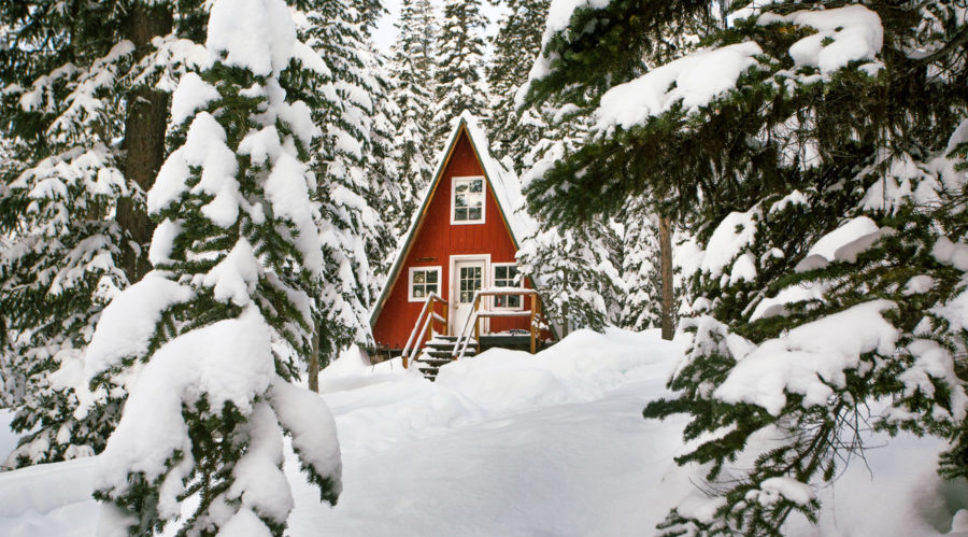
(518, 445)
(577, 369)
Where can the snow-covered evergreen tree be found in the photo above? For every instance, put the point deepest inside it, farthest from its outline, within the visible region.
(460, 61)
(412, 68)
(577, 263)
(208, 342)
(355, 236)
(823, 170)
(81, 125)
(385, 183)
(579, 282)
(514, 131)
(639, 254)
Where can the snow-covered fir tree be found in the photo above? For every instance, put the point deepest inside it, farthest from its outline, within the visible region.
(460, 83)
(514, 131)
(209, 342)
(356, 238)
(639, 255)
(83, 108)
(823, 169)
(579, 281)
(386, 185)
(578, 262)
(412, 68)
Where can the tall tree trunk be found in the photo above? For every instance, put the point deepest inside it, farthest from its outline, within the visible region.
(565, 323)
(313, 368)
(144, 139)
(665, 268)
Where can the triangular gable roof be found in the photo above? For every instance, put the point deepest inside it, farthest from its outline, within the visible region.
(502, 181)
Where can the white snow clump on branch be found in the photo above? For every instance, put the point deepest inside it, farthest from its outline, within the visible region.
(810, 358)
(693, 80)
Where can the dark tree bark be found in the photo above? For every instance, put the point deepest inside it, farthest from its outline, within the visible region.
(313, 367)
(144, 140)
(665, 268)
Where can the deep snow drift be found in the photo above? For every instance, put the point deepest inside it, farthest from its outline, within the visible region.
(517, 445)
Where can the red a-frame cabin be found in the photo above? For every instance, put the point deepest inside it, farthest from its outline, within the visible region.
(461, 244)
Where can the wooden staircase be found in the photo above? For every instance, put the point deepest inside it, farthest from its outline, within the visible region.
(438, 349)
(437, 352)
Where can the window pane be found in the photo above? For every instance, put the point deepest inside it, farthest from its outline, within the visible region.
(460, 200)
(500, 273)
(474, 214)
(418, 276)
(431, 276)
(460, 187)
(418, 292)
(514, 301)
(431, 289)
(477, 185)
(460, 214)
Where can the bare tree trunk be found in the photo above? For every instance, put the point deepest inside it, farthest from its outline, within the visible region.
(144, 139)
(313, 368)
(565, 324)
(665, 268)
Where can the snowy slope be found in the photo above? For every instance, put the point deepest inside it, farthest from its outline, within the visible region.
(516, 445)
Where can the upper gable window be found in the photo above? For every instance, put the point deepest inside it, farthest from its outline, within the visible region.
(467, 200)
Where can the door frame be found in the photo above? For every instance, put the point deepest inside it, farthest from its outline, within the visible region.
(453, 284)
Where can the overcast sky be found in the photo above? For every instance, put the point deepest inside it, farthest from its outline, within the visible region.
(386, 33)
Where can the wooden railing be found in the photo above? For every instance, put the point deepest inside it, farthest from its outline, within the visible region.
(425, 325)
(476, 313)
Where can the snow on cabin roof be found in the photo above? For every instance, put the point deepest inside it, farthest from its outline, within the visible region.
(504, 184)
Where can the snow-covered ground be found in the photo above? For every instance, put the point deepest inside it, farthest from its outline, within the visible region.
(511, 444)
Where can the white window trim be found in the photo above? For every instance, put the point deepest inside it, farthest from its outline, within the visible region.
(437, 268)
(453, 196)
(494, 305)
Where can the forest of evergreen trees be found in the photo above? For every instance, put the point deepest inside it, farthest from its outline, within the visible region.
(187, 182)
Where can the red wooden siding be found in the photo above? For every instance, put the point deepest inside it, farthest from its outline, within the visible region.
(436, 240)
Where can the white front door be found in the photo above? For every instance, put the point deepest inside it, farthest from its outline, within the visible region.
(466, 278)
